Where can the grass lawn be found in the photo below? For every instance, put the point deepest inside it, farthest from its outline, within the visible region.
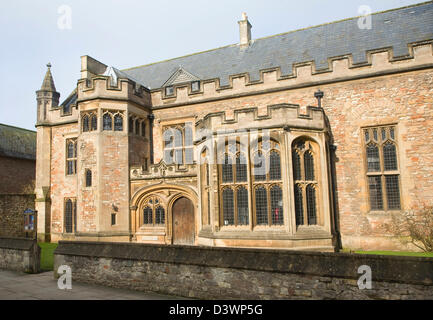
(396, 253)
(47, 255)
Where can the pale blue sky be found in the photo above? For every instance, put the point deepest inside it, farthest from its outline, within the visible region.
(130, 33)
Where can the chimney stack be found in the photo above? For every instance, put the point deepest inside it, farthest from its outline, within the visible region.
(244, 31)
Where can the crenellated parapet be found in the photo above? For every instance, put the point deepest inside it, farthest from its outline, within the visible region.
(277, 116)
(102, 87)
(303, 74)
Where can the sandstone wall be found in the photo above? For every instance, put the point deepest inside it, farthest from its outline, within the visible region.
(226, 273)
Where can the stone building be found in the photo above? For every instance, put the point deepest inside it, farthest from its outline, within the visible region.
(17, 178)
(309, 139)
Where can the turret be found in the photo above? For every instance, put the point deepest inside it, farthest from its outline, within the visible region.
(47, 97)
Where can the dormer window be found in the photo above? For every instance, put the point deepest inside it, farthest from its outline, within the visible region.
(169, 91)
(195, 86)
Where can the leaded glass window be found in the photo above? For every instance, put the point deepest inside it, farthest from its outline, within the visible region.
(274, 166)
(389, 157)
(94, 123)
(228, 207)
(86, 123)
(311, 205)
(373, 158)
(71, 156)
(70, 216)
(299, 206)
(241, 168)
(277, 205)
(242, 206)
(107, 122)
(304, 155)
(118, 122)
(261, 206)
(147, 216)
(383, 179)
(227, 170)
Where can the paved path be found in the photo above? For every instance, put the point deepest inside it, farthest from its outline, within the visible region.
(43, 286)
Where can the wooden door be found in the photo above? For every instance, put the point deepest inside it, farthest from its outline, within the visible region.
(183, 222)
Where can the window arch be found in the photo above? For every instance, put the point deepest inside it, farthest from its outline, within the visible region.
(153, 212)
(86, 123)
(107, 122)
(389, 156)
(304, 157)
(373, 159)
(118, 122)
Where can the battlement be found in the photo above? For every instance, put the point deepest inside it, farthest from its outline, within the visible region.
(380, 62)
(277, 116)
(103, 87)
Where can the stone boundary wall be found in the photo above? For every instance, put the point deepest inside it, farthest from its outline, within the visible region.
(233, 273)
(20, 255)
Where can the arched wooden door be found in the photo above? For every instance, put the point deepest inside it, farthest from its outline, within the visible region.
(183, 222)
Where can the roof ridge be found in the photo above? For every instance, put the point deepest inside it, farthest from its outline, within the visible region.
(280, 34)
(14, 127)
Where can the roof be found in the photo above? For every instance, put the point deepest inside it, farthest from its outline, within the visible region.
(17, 142)
(48, 83)
(394, 28)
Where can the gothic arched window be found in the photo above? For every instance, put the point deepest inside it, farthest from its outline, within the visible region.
(306, 182)
(118, 122)
(153, 211)
(107, 122)
(383, 178)
(86, 123)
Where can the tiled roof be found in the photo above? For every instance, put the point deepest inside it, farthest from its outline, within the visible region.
(395, 28)
(17, 142)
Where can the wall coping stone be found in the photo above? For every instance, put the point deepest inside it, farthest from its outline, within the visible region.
(413, 270)
(17, 243)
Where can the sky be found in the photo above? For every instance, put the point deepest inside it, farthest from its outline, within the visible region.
(127, 33)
